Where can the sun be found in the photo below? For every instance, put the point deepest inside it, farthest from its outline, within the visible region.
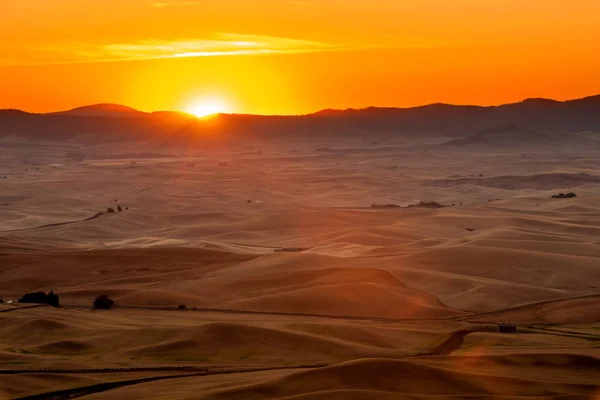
(206, 107)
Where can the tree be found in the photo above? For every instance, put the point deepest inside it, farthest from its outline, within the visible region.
(41, 298)
(52, 299)
(102, 302)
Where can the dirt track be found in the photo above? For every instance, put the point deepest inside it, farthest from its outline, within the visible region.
(103, 387)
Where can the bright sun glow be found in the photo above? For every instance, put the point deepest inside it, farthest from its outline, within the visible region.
(206, 107)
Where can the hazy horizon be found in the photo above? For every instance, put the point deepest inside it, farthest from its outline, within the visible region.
(311, 112)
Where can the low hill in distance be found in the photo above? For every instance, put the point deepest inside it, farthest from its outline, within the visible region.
(512, 137)
(102, 110)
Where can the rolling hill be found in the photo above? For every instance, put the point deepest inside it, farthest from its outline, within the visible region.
(512, 137)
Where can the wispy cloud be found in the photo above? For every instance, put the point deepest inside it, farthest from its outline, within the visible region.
(221, 44)
(171, 3)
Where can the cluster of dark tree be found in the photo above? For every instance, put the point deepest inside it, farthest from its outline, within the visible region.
(384, 206)
(41, 298)
(422, 204)
(103, 302)
(564, 196)
(507, 328)
(428, 204)
(119, 209)
(291, 249)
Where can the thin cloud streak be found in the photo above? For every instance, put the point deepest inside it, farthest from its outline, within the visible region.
(220, 44)
(165, 4)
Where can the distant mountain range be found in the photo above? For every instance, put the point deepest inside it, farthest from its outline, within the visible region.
(111, 122)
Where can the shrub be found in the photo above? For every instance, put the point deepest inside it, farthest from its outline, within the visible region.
(41, 298)
(428, 204)
(102, 302)
(384, 206)
(564, 196)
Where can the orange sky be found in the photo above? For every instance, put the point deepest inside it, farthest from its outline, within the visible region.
(295, 56)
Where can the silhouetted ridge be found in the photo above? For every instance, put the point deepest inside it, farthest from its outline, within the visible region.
(14, 111)
(595, 100)
(173, 114)
(538, 101)
(102, 110)
(108, 122)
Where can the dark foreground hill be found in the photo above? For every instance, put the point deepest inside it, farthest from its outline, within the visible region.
(114, 123)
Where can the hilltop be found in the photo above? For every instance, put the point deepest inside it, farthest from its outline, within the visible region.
(101, 110)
